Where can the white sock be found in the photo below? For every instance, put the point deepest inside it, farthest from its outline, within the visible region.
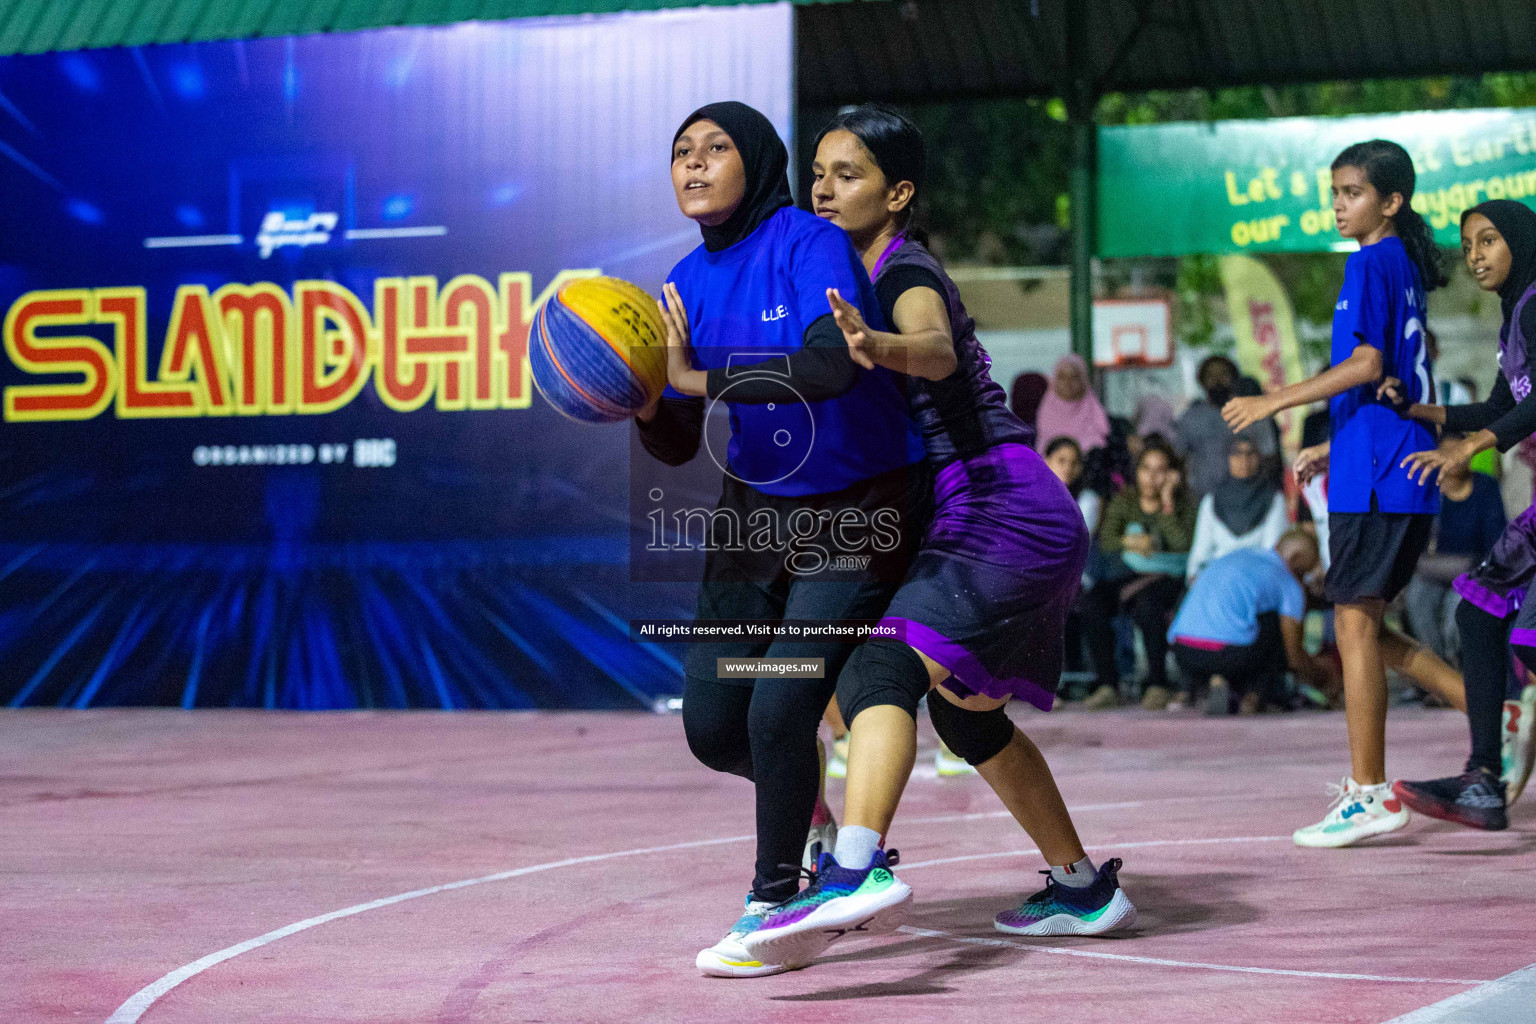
(1376, 789)
(1077, 875)
(856, 846)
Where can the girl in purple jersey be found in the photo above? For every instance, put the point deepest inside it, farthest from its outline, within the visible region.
(1498, 239)
(981, 616)
(1379, 521)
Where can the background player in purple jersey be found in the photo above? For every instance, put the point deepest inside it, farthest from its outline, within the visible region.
(1498, 239)
(1379, 520)
(981, 616)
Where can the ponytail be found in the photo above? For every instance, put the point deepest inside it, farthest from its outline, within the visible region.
(1419, 239)
(1389, 169)
(897, 146)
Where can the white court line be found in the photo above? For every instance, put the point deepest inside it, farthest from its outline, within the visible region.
(139, 1003)
(144, 998)
(929, 933)
(1508, 995)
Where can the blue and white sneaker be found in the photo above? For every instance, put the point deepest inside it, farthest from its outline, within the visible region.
(1355, 812)
(839, 901)
(1063, 910)
(728, 958)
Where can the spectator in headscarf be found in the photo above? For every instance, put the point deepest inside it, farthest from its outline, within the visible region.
(1245, 510)
(1202, 437)
(1028, 390)
(1071, 409)
(1154, 416)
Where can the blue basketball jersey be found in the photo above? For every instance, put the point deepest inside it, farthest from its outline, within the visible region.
(754, 300)
(1382, 305)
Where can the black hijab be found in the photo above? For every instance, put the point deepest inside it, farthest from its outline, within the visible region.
(1517, 223)
(767, 166)
(1241, 505)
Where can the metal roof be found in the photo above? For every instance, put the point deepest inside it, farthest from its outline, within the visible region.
(37, 26)
(949, 49)
(912, 50)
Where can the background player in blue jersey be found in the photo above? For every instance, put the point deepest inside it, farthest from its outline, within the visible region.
(982, 615)
(1379, 520)
(1498, 239)
(817, 442)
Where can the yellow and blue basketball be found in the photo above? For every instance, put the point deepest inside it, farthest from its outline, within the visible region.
(598, 350)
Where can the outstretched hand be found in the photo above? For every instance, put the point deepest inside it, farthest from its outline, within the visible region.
(1392, 392)
(679, 349)
(1425, 464)
(1242, 413)
(1311, 462)
(855, 331)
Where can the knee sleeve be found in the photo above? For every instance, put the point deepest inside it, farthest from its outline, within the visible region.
(881, 672)
(977, 736)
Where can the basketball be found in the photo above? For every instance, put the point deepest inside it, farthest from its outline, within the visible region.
(598, 351)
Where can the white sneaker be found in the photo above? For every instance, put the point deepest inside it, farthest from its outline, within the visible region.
(1518, 748)
(946, 762)
(728, 958)
(837, 768)
(821, 839)
(1357, 812)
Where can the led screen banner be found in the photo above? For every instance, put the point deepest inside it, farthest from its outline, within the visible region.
(1263, 186)
(269, 436)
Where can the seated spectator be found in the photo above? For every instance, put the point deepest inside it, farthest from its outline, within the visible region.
(1066, 461)
(1471, 518)
(1245, 510)
(1144, 539)
(1241, 626)
(1070, 408)
(1154, 416)
(1065, 458)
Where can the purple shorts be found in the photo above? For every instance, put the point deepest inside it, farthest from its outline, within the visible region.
(988, 594)
(1499, 585)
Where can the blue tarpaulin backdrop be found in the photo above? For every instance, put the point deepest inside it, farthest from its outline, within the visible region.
(458, 559)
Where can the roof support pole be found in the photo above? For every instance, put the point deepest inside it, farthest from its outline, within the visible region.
(1080, 101)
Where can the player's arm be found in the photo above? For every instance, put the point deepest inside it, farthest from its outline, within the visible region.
(1317, 671)
(670, 428)
(1363, 366)
(921, 345)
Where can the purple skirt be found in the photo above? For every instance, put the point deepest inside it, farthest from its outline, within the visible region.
(1499, 585)
(988, 594)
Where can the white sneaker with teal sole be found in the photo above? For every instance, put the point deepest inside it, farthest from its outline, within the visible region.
(1357, 812)
(840, 902)
(1519, 746)
(728, 958)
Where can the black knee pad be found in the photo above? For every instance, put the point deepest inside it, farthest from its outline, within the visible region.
(977, 736)
(881, 672)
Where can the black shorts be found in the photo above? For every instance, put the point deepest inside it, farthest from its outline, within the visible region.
(1373, 554)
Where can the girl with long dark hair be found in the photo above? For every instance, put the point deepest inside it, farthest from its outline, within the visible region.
(1497, 613)
(1379, 520)
(981, 616)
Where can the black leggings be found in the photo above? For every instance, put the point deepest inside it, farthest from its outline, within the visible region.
(1485, 650)
(1151, 608)
(765, 729)
(1258, 667)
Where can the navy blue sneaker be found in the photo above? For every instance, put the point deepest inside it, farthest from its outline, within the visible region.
(1474, 798)
(1063, 910)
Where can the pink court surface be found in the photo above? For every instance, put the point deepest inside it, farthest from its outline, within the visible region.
(174, 867)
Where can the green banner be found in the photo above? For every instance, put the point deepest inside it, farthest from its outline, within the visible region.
(1263, 186)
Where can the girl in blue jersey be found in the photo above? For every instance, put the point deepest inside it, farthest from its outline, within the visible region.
(1497, 613)
(982, 614)
(1379, 519)
(819, 447)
